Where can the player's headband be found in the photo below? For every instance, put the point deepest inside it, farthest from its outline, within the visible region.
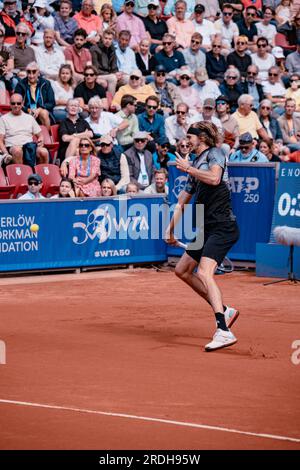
(194, 131)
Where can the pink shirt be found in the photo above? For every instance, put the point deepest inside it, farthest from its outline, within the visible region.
(89, 23)
(182, 30)
(134, 25)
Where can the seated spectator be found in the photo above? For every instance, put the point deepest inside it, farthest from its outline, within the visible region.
(290, 126)
(49, 56)
(102, 122)
(263, 59)
(292, 62)
(188, 94)
(5, 51)
(38, 95)
(274, 90)
(132, 189)
(63, 91)
(135, 88)
(125, 56)
(247, 153)
(108, 188)
(205, 88)
(144, 59)
(162, 156)
(248, 28)
(154, 26)
(5, 81)
(265, 28)
(284, 12)
(70, 131)
(177, 125)
(141, 169)
(270, 123)
(171, 59)
(66, 189)
(84, 170)
(160, 183)
(17, 131)
(35, 184)
(89, 88)
(130, 22)
(64, 24)
(105, 61)
(113, 163)
(266, 148)
(227, 29)
(151, 121)
(42, 20)
(215, 62)
(277, 52)
(252, 87)
(22, 54)
(231, 87)
(248, 120)
(183, 148)
(181, 27)
(239, 58)
(10, 17)
(127, 113)
(108, 17)
(208, 114)
(166, 92)
(203, 26)
(91, 23)
(193, 55)
(77, 55)
(294, 90)
(229, 124)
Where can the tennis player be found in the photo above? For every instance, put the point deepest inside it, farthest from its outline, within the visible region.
(207, 180)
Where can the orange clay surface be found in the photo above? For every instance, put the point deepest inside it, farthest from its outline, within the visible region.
(132, 343)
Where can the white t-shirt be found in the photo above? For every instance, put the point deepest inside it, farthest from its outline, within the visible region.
(61, 94)
(267, 31)
(263, 66)
(276, 89)
(206, 29)
(18, 130)
(106, 123)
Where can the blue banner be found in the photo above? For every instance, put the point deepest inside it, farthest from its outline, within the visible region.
(75, 233)
(252, 189)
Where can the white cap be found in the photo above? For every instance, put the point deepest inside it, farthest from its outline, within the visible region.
(278, 52)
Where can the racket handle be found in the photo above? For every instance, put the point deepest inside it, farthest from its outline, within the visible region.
(182, 245)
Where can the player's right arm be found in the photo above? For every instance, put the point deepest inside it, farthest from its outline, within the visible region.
(183, 198)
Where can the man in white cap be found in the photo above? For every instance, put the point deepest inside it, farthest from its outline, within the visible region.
(140, 161)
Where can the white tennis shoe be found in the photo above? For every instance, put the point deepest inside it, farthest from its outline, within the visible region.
(231, 315)
(221, 339)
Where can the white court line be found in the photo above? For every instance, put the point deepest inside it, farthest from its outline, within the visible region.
(155, 420)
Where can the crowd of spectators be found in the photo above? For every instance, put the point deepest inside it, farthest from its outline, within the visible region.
(124, 80)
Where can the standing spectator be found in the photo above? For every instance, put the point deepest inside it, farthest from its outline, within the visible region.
(102, 122)
(151, 121)
(231, 87)
(238, 58)
(251, 87)
(77, 55)
(247, 27)
(290, 126)
(179, 26)
(49, 56)
(88, 88)
(22, 54)
(160, 183)
(188, 94)
(205, 27)
(89, 22)
(215, 62)
(154, 26)
(205, 88)
(64, 24)
(292, 62)
(129, 21)
(265, 28)
(135, 88)
(171, 59)
(270, 124)
(227, 29)
(125, 56)
(105, 60)
(177, 125)
(84, 170)
(42, 20)
(63, 91)
(127, 113)
(38, 95)
(166, 91)
(248, 120)
(35, 184)
(262, 59)
(113, 163)
(193, 55)
(141, 169)
(10, 17)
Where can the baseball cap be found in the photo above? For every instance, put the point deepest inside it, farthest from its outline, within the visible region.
(278, 52)
(199, 8)
(141, 135)
(185, 72)
(160, 68)
(222, 98)
(129, 1)
(35, 177)
(163, 141)
(209, 103)
(106, 139)
(201, 74)
(246, 138)
(136, 73)
(153, 2)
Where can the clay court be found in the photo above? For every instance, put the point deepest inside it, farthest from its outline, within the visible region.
(115, 360)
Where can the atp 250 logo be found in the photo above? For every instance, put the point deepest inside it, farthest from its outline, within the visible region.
(248, 185)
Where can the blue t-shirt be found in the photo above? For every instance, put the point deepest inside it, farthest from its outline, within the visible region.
(170, 63)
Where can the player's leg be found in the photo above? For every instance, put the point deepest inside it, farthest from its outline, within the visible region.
(185, 271)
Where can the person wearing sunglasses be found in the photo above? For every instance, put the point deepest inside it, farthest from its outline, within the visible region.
(215, 61)
(274, 90)
(130, 22)
(21, 53)
(203, 26)
(84, 170)
(248, 28)
(188, 94)
(103, 122)
(89, 88)
(239, 58)
(230, 128)
(163, 154)
(152, 122)
(171, 59)
(180, 26)
(140, 162)
(248, 120)
(136, 88)
(193, 55)
(226, 27)
(262, 59)
(35, 184)
(247, 151)
(231, 87)
(177, 125)
(269, 122)
(10, 17)
(113, 163)
(294, 90)
(155, 26)
(166, 91)
(183, 149)
(251, 86)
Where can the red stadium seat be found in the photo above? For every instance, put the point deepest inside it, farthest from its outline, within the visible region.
(6, 191)
(49, 143)
(17, 174)
(51, 178)
(4, 102)
(281, 40)
(54, 133)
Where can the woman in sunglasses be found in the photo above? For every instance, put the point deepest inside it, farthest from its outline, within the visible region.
(84, 170)
(269, 122)
(183, 149)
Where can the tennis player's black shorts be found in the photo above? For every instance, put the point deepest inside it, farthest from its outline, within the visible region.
(218, 240)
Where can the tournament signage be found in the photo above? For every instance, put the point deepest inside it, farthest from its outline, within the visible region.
(287, 201)
(81, 233)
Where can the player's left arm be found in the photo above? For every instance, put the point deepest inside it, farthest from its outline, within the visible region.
(212, 176)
